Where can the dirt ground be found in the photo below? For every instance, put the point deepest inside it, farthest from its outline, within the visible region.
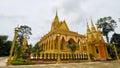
(98, 64)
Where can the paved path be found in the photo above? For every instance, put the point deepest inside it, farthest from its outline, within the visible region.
(104, 64)
(3, 61)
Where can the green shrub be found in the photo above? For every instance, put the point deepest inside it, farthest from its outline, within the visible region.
(21, 61)
(91, 55)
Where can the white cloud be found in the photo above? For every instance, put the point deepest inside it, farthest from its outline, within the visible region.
(39, 14)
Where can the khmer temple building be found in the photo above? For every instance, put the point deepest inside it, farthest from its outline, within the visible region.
(56, 40)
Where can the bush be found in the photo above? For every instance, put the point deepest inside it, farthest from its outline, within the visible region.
(21, 61)
(91, 55)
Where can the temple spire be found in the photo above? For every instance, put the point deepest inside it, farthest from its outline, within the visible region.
(56, 13)
(88, 29)
(55, 21)
(93, 27)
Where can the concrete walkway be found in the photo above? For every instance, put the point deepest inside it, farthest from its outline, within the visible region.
(3, 61)
(98, 64)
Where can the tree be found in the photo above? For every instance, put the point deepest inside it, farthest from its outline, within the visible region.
(116, 39)
(21, 46)
(17, 51)
(72, 47)
(24, 31)
(4, 45)
(106, 25)
(37, 49)
(29, 50)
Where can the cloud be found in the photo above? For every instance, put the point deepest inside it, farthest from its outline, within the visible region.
(39, 14)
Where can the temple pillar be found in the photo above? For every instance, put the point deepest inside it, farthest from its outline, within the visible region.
(51, 55)
(58, 43)
(41, 55)
(44, 55)
(76, 56)
(71, 55)
(50, 46)
(65, 55)
(48, 55)
(56, 55)
(53, 45)
(88, 53)
(46, 45)
(61, 55)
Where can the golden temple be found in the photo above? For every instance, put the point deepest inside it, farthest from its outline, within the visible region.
(89, 46)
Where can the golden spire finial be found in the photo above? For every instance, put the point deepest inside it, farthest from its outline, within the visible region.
(56, 17)
(92, 25)
(55, 22)
(97, 28)
(56, 13)
(88, 29)
(91, 21)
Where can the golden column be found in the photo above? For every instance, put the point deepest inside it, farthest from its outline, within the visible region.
(53, 45)
(115, 51)
(87, 39)
(58, 59)
(50, 45)
(88, 50)
(12, 47)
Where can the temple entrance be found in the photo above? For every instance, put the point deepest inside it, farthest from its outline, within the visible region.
(71, 41)
(63, 44)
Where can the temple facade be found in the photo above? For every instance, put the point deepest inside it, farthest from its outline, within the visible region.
(55, 43)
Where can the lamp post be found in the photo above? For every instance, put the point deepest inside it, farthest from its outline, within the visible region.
(12, 47)
(115, 51)
(58, 59)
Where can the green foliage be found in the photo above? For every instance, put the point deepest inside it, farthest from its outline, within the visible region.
(106, 24)
(19, 52)
(91, 55)
(72, 47)
(4, 45)
(24, 31)
(37, 49)
(29, 50)
(116, 39)
(21, 61)
(111, 51)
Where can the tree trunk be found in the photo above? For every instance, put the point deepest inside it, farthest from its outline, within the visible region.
(107, 38)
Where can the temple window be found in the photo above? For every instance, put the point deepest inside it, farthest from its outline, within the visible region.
(97, 51)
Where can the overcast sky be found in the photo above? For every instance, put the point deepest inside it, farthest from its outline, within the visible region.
(39, 14)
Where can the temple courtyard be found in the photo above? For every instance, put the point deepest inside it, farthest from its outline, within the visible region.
(97, 64)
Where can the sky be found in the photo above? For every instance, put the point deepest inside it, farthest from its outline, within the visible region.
(39, 14)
